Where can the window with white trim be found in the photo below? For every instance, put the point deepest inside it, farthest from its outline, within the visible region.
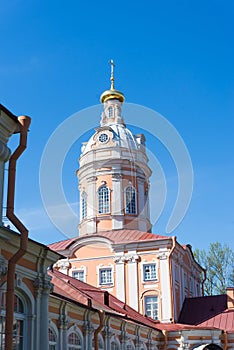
(149, 272)
(103, 200)
(74, 341)
(105, 276)
(18, 323)
(151, 306)
(79, 275)
(83, 205)
(110, 112)
(130, 200)
(52, 339)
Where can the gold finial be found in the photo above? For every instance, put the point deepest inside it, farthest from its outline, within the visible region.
(112, 94)
(112, 78)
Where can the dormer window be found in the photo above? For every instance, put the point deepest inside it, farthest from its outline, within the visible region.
(110, 112)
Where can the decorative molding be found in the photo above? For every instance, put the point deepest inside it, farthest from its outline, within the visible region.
(133, 258)
(116, 177)
(92, 179)
(121, 259)
(41, 284)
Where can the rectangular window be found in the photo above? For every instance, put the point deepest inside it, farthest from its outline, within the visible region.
(151, 307)
(149, 272)
(105, 276)
(79, 275)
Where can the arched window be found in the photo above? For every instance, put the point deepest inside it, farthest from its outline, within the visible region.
(151, 306)
(18, 325)
(74, 341)
(52, 339)
(114, 346)
(103, 200)
(83, 205)
(110, 112)
(130, 200)
(130, 346)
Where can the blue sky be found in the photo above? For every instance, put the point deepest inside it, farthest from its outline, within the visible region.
(175, 57)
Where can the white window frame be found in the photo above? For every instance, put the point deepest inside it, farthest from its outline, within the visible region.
(79, 271)
(102, 268)
(74, 346)
(152, 303)
(53, 343)
(77, 331)
(108, 278)
(145, 263)
(27, 301)
(131, 206)
(149, 265)
(103, 200)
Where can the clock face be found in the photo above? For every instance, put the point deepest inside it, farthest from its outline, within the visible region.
(103, 138)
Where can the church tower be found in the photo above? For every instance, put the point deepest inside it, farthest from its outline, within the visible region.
(114, 173)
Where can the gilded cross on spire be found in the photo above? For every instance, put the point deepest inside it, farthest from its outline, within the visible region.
(112, 78)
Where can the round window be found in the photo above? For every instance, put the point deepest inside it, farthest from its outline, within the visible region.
(103, 138)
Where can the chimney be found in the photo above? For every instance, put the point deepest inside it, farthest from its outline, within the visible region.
(230, 297)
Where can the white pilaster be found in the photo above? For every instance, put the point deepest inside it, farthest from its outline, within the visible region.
(133, 280)
(165, 288)
(117, 200)
(141, 198)
(120, 277)
(91, 205)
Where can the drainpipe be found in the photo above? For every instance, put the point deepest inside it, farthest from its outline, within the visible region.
(171, 277)
(24, 125)
(225, 339)
(101, 314)
(165, 333)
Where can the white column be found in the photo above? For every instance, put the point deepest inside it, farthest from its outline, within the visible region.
(141, 198)
(133, 280)
(43, 288)
(120, 278)
(91, 205)
(117, 202)
(165, 288)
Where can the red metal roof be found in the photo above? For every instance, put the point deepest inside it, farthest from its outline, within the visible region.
(224, 321)
(208, 311)
(115, 236)
(85, 294)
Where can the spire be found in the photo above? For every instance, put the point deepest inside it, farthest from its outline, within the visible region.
(112, 94)
(112, 78)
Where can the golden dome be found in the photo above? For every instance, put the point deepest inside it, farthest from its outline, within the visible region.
(112, 93)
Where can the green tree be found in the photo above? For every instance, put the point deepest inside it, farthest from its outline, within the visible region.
(219, 264)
